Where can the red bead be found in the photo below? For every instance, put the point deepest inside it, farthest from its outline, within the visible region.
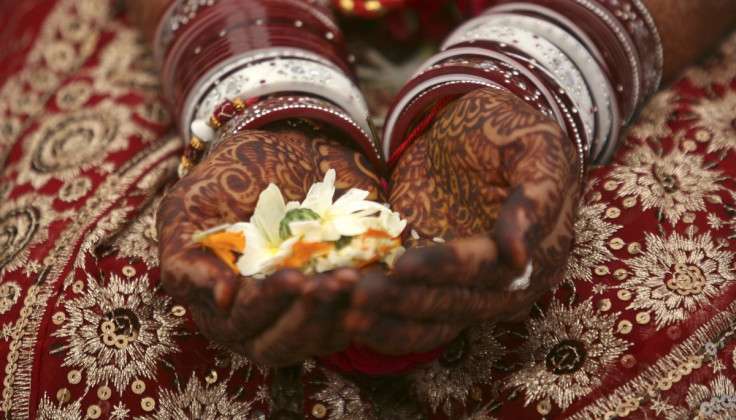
(224, 112)
(192, 154)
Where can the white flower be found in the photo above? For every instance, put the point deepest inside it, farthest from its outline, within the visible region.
(318, 235)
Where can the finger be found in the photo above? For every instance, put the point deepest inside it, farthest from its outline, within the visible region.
(543, 171)
(431, 303)
(197, 276)
(470, 262)
(392, 336)
(311, 326)
(260, 303)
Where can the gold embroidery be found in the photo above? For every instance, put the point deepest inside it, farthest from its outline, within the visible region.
(677, 275)
(720, 68)
(9, 294)
(139, 239)
(674, 184)
(714, 401)
(567, 353)
(342, 398)
(120, 412)
(589, 250)
(74, 189)
(73, 95)
(118, 331)
(50, 410)
(653, 120)
(466, 363)
(88, 16)
(650, 383)
(126, 66)
(718, 114)
(66, 144)
(24, 222)
(196, 401)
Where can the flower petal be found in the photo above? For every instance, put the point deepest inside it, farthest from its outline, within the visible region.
(319, 197)
(269, 211)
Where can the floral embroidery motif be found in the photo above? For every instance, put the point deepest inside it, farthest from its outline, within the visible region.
(9, 294)
(674, 183)
(675, 276)
(466, 363)
(342, 398)
(717, 400)
(118, 331)
(126, 67)
(591, 233)
(568, 353)
(66, 144)
(199, 401)
(24, 222)
(720, 133)
(652, 122)
(49, 410)
(139, 240)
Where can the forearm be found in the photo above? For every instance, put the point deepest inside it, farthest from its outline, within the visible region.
(145, 14)
(690, 28)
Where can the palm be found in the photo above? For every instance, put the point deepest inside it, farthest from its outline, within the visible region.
(498, 181)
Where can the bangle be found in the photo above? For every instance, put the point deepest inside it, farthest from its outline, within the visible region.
(574, 47)
(470, 68)
(302, 107)
(273, 75)
(181, 13)
(506, 31)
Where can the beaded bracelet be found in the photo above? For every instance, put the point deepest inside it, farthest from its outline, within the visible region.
(236, 115)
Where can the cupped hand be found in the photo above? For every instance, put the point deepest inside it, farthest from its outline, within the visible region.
(489, 188)
(286, 317)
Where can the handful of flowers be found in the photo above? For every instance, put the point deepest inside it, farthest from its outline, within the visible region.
(313, 236)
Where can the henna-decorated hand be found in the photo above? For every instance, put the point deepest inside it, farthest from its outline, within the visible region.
(499, 182)
(286, 317)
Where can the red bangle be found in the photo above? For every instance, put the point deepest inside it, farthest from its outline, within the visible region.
(294, 106)
(194, 40)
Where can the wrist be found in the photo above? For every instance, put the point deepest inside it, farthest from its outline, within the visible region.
(217, 54)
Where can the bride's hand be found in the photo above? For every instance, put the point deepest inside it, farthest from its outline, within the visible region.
(286, 317)
(497, 181)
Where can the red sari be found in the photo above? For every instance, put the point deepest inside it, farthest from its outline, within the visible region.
(641, 327)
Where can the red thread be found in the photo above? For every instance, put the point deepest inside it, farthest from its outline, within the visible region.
(419, 129)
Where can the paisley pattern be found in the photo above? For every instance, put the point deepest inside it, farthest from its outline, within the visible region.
(643, 325)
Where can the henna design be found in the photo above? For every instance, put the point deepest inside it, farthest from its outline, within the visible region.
(489, 150)
(286, 317)
(502, 180)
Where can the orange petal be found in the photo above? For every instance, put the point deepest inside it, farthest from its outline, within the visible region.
(225, 240)
(227, 257)
(380, 234)
(222, 245)
(302, 252)
(366, 262)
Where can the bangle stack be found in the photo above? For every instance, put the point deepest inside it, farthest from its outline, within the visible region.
(587, 64)
(218, 58)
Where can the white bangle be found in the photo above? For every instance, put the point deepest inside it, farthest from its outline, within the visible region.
(586, 56)
(512, 30)
(271, 74)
